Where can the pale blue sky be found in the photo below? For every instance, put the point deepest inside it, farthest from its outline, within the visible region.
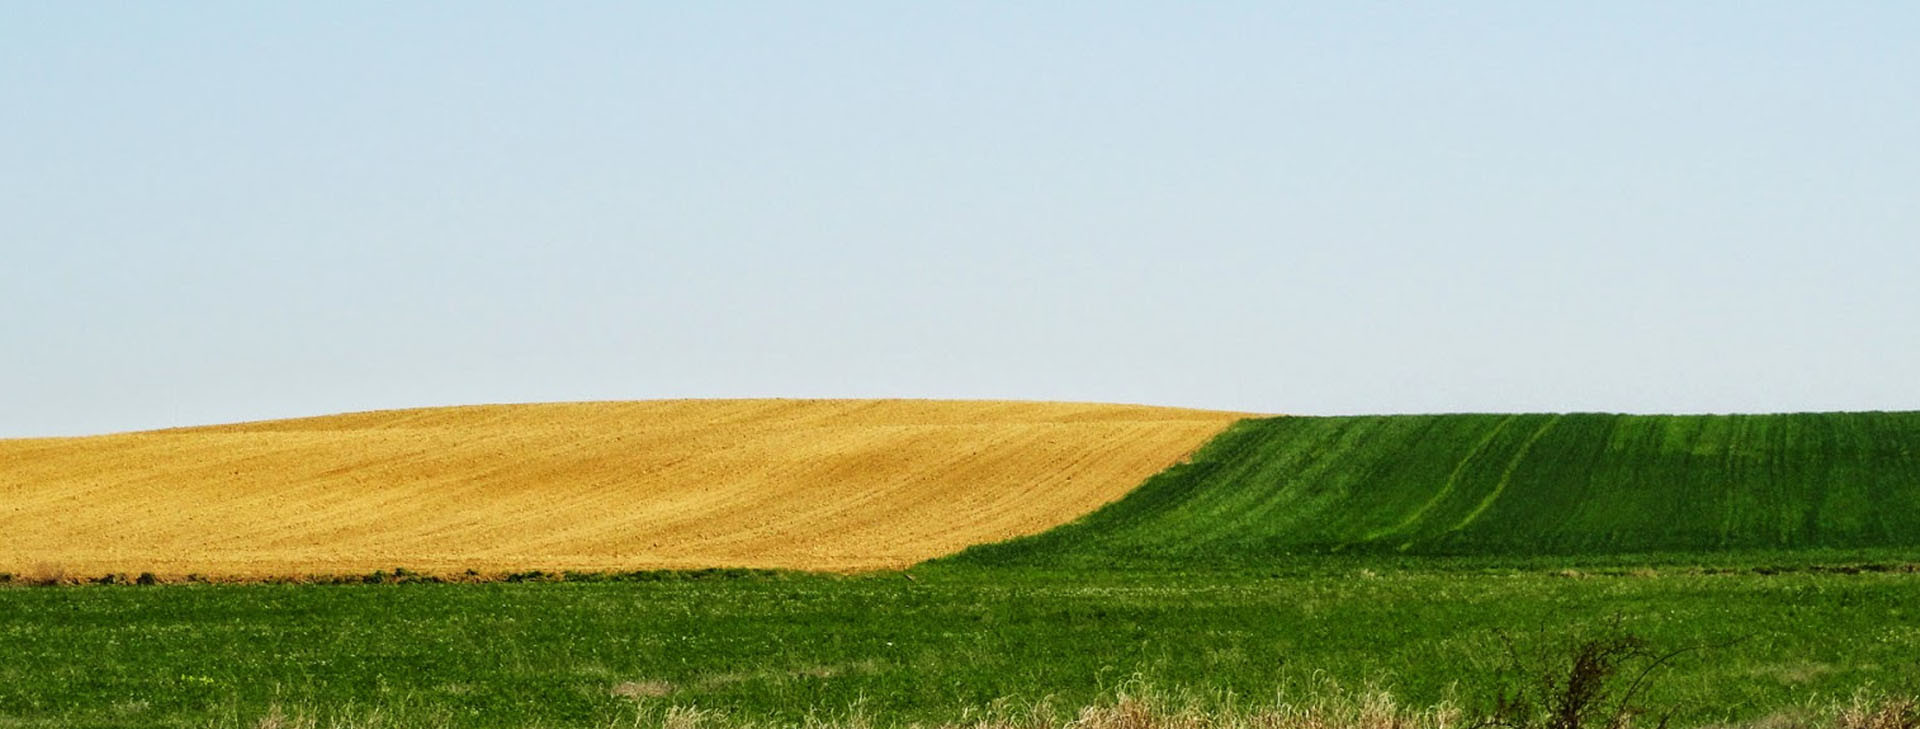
(217, 212)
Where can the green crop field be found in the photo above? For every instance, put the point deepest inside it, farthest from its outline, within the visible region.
(947, 644)
(1429, 556)
(1511, 487)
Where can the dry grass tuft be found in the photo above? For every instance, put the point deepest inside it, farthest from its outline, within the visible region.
(1135, 710)
(1370, 710)
(1326, 708)
(277, 718)
(47, 573)
(642, 689)
(350, 718)
(1883, 713)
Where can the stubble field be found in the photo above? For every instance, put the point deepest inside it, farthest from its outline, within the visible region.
(794, 484)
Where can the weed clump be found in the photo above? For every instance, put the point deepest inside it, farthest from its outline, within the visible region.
(1884, 713)
(1596, 681)
(47, 574)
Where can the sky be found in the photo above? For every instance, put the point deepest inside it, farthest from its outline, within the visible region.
(219, 212)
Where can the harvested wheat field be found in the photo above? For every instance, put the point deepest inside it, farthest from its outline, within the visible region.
(802, 484)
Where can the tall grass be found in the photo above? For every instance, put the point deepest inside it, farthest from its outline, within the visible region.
(1139, 708)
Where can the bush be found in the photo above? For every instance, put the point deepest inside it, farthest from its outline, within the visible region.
(1590, 682)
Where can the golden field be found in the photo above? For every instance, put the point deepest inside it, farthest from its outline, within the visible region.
(802, 484)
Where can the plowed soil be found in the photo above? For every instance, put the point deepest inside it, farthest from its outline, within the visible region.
(803, 484)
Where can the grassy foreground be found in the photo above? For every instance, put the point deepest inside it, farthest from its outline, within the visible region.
(1509, 487)
(939, 648)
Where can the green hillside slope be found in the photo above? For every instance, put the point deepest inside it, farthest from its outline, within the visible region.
(1579, 484)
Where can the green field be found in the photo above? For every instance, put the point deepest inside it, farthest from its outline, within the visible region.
(1405, 553)
(932, 649)
(1511, 487)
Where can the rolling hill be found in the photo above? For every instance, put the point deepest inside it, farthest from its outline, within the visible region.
(1508, 485)
(804, 484)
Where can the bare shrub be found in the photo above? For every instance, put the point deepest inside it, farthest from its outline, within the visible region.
(1592, 682)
